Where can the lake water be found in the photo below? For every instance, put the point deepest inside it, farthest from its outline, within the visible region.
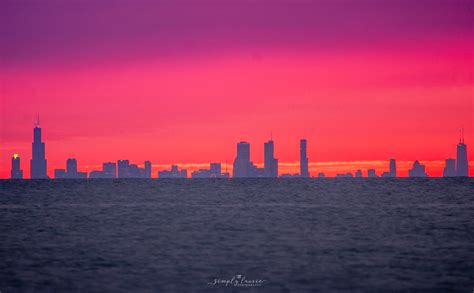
(251, 235)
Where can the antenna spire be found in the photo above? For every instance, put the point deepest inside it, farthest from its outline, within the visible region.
(461, 134)
(37, 122)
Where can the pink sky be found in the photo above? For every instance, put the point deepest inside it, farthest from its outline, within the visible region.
(363, 88)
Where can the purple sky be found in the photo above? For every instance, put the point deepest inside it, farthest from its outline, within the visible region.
(55, 32)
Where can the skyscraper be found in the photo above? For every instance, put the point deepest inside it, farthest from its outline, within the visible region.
(393, 168)
(38, 161)
(122, 168)
(270, 162)
(303, 159)
(147, 170)
(71, 168)
(450, 168)
(242, 164)
(392, 171)
(461, 158)
(109, 169)
(16, 173)
(70, 172)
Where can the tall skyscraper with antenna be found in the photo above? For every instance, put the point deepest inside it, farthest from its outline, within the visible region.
(38, 161)
(461, 157)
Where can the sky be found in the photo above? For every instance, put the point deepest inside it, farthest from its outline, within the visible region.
(182, 81)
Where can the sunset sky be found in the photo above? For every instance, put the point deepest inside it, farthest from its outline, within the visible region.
(182, 81)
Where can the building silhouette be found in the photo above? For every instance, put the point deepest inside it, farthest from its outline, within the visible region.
(418, 170)
(358, 174)
(321, 175)
(135, 172)
(201, 173)
(242, 165)
(38, 162)
(270, 162)
(371, 173)
(449, 168)
(60, 174)
(173, 173)
(127, 170)
(16, 172)
(345, 175)
(109, 170)
(147, 169)
(71, 168)
(70, 172)
(122, 168)
(303, 159)
(461, 158)
(96, 174)
(214, 171)
(256, 172)
(393, 169)
(289, 175)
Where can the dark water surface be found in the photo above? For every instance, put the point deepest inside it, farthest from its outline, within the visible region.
(180, 235)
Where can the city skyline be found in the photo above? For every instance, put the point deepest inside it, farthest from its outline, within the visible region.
(216, 145)
(243, 166)
(362, 81)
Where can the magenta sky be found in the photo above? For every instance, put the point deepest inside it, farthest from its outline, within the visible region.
(183, 81)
